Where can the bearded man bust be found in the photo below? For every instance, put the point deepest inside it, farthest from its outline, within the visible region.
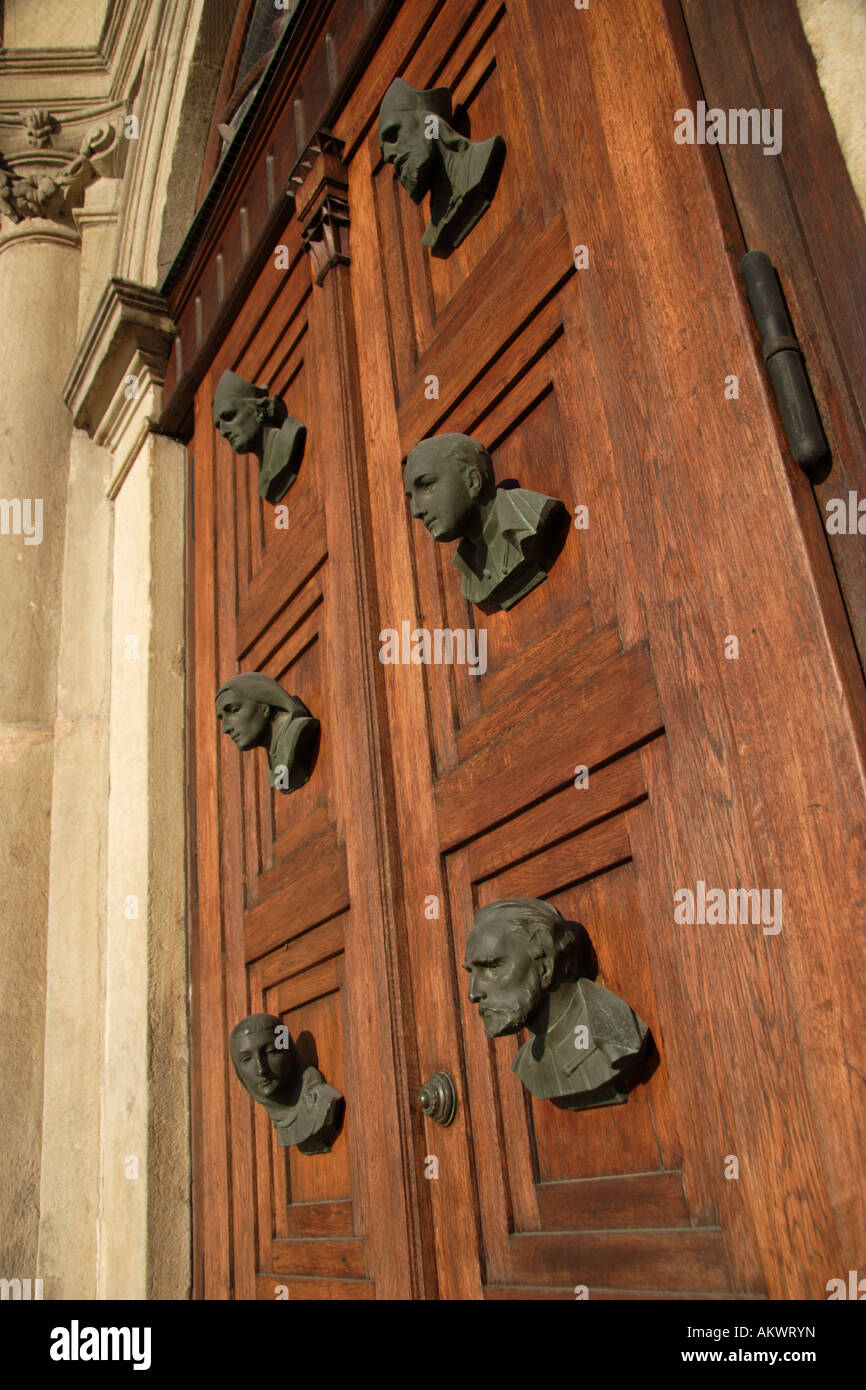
(587, 1048)
(430, 156)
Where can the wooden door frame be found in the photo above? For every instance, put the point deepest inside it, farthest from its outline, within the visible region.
(800, 207)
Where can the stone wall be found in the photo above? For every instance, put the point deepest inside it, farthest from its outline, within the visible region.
(836, 30)
(94, 1088)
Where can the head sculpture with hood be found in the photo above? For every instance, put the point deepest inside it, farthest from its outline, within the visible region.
(256, 712)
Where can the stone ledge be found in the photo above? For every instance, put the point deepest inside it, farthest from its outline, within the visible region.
(131, 323)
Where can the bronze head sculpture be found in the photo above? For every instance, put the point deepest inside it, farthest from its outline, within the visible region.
(430, 156)
(303, 1108)
(255, 423)
(509, 537)
(256, 712)
(525, 962)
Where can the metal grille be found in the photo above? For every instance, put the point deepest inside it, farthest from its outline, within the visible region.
(264, 27)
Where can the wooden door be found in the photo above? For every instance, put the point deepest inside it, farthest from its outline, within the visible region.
(345, 907)
(293, 889)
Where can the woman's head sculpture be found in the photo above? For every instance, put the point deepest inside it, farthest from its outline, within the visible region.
(305, 1111)
(256, 712)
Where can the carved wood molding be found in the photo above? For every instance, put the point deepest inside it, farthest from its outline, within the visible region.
(322, 204)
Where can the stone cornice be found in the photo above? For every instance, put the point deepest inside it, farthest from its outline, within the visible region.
(130, 334)
(51, 62)
(78, 112)
(113, 58)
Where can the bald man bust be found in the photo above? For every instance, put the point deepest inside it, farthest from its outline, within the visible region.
(509, 537)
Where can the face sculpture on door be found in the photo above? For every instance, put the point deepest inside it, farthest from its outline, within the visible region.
(429, 156)
(255, 423)
(509, 537)
(303, 1108)
(588, 1048)
(257, 713)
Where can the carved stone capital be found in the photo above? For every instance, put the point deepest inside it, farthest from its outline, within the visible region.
(322, 204)
(39, 127)
(43, 183)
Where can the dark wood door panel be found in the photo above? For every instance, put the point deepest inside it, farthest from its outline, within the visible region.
(305, 1218)
(294, 1288)
(268, 347)
(300, 983)
(490, 311)
(316, 1023)
(630, 1201)
(288, 568)
(633, 1260)
(572, 646)
(524, 435)
(345, 907)
(472, 56)
(481, 76)
(307, 887)
(296, 621)
(546, 1292)
(610, 1174)
(308, 1219)
(305, 948)
(586, 725)
(571, 814)
(567, 1144)
(290, 869)
(320, 1257)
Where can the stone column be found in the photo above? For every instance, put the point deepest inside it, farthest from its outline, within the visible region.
(46, 168)
(38, 314)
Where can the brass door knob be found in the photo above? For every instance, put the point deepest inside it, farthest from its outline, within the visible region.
(438, 1098)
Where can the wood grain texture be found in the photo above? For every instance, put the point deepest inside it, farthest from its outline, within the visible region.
(307, 1219)
(313, 1290)
(524, 1292)
(610, 712)
(322, 1258)
(641, 1199)
(799, 207)
(439, 790)
(679, 1259)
